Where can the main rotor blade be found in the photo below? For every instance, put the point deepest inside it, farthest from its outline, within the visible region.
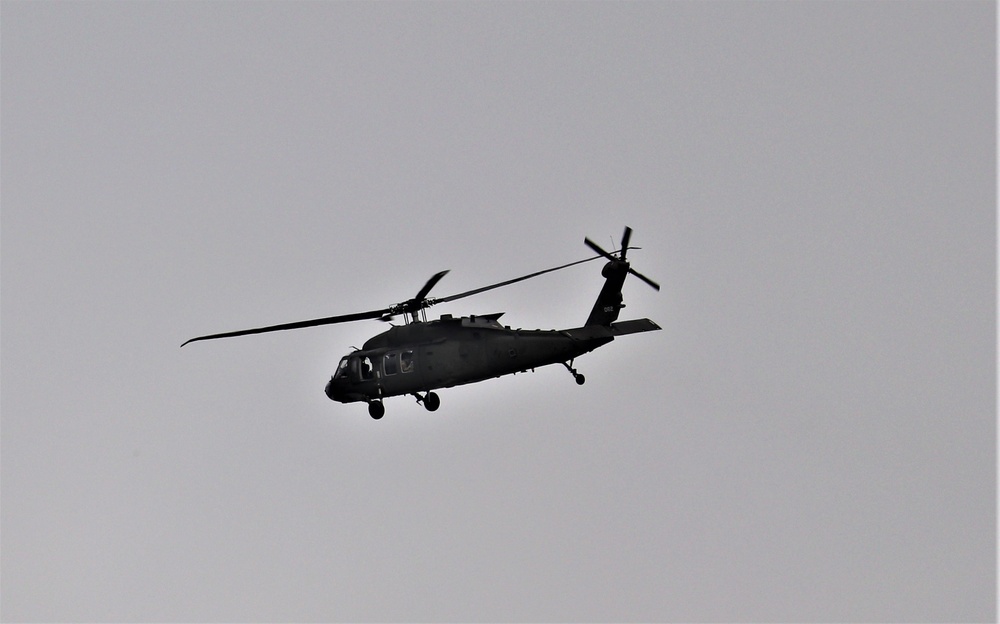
(430, 284)
(344, 318)
(476, 291)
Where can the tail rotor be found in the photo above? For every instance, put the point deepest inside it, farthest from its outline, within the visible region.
(626, 237)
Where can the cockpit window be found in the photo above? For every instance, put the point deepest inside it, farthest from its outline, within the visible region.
(366, 368)
(341, 369)
(359, 368)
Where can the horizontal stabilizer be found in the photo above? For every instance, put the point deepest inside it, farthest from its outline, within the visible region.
(633, 327)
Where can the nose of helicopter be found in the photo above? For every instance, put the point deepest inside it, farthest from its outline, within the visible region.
(330, 390)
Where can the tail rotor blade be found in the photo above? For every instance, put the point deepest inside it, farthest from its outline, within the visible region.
(644, 278)
(597, 248)
(625, 239)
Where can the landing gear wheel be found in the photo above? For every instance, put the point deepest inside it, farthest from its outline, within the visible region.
(376, 409)
(580, 379)
(432, 401)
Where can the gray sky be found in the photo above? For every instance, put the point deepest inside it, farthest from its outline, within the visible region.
(812, 436)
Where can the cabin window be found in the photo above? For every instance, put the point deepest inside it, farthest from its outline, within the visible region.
(390, 363)
(406, 361)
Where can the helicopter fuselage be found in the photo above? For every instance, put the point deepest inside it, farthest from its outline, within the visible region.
(423, 356)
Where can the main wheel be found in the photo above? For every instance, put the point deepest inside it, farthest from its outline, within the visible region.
(376, 410)
(432, 401)
(580, 379)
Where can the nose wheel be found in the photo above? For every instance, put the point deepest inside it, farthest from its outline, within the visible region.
(580, 379)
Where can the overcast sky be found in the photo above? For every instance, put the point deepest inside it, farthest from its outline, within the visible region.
(811, 437)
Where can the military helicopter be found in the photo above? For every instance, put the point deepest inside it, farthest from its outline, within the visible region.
(421, 356)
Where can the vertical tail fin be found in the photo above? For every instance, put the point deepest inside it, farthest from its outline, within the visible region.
(609, 301)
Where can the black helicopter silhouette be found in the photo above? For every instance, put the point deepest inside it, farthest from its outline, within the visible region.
(422, 356)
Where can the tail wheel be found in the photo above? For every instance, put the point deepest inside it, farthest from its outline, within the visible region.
(580, 379)
(376, 409)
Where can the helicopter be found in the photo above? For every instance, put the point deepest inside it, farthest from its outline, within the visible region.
(421, 356)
